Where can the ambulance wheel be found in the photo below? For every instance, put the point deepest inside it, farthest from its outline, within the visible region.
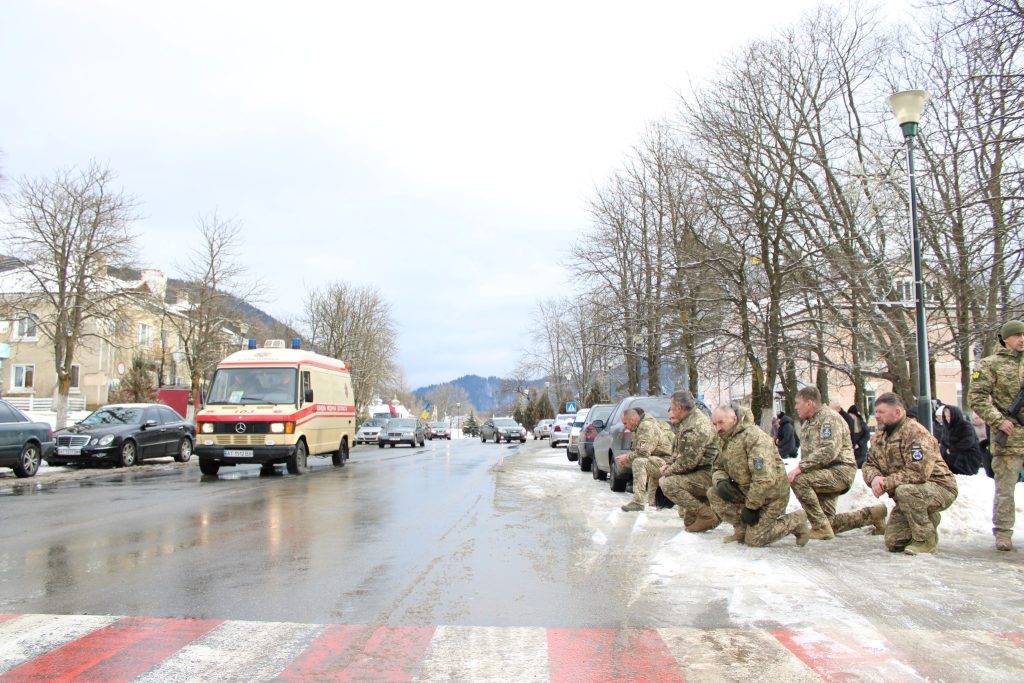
(338, 459)
(208, 466)
(297, 461)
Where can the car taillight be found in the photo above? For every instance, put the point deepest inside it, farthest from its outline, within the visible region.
(558, 428)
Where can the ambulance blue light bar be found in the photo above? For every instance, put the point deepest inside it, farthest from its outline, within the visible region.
(252, 344)
(296, 343)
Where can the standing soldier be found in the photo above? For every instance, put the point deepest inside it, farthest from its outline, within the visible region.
(687, 478)
(652, 448)
(749, 487)
(827, 469)
(905, 463)
(995, 384)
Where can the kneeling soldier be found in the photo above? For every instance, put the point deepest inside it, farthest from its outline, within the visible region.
(905, 463)
(749, 487)
(687, 478)
(827, 469)
(652, 448)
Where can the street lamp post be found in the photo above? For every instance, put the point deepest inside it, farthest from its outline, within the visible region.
(907, 107)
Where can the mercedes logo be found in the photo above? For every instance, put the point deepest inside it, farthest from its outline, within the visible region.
(240, 428)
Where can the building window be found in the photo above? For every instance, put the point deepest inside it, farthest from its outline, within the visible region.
(26, 329)
(905, 291)
(23, 376)
(76, 375)
(145, 335)
(870, 395)
(866, 355)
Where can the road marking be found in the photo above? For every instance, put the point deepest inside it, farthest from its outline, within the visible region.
(119, 652)
(486, 655)
(734, 654)
(847, 655)
(31, 635)
(360, 653)
(237, 650)
(607, 654)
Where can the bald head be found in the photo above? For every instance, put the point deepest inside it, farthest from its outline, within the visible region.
(725, 418)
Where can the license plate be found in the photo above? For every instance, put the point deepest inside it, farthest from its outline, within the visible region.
(68, 450)
(238, 454)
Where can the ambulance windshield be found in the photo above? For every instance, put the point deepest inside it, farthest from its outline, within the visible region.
(251, 386)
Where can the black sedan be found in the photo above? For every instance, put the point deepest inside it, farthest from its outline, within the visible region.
(23, 443)
(126, 435)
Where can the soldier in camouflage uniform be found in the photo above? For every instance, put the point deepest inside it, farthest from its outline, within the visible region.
(995, 382)
(687, 478)
(905, 463)
(749, 487)
(652, 448)
(827, 469)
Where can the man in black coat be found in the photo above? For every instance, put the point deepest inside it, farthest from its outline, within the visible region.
(787, 440)
(959, 443)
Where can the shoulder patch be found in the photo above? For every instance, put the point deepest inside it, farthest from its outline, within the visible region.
(976, 374)
(759, 464)
(826, 430)
(916, 452)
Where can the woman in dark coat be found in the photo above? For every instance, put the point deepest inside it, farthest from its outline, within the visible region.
(787, 440)
(959, 445)
(860, 434)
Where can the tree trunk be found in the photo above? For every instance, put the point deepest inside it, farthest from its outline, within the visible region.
(821, 381)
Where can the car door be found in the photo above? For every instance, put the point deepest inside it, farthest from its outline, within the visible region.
(172, 429)
(11, 434)
(151, 442)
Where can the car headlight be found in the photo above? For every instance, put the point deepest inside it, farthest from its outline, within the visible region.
(277, 427)
(207, 428)
(106, 440)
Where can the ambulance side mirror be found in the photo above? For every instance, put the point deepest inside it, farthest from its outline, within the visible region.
(308, 396)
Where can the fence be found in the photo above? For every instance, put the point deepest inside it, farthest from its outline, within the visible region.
(31, 403)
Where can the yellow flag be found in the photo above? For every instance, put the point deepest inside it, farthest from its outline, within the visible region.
(424, 415)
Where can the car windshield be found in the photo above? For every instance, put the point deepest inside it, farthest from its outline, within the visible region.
(656, 406)
(438, 425)
(600, 413)
(401, 424)
(369, 424)
(505, 423)
(114, 415)
(253, 385)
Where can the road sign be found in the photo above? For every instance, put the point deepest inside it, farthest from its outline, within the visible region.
(570, 406)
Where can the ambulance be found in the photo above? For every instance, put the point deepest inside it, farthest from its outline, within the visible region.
(276, 405)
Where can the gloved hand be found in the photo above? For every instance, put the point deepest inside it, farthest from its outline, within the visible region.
(729, 491)
(750, 516)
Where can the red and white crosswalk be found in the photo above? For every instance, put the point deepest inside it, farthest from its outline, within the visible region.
(106, 648)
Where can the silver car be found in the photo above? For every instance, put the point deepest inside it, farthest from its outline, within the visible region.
(370, 430)
(440, 430)
(615, 439)
(542, 430)
(561, 428)
(401, 430)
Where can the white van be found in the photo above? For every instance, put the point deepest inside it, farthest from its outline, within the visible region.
(275, 405)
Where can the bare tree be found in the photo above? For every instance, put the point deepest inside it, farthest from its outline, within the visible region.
(67, 230)
(447, 399)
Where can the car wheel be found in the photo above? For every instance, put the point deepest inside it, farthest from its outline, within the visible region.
(128, 455)
(208, 466)
(338, 459)
(380, 445)
(297, 462)
(29, 460)
(616, 482)
(573, 457)
(585, 464)
(184, 453)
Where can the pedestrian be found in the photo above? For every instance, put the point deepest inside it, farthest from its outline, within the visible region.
(749, 487)
(845, 415)
(685, 480)
(861, 435)
(827, 469)
(787, 441)
(775, 426)
(959, 445)
(995, 383)
(652, 448)
(905, 463)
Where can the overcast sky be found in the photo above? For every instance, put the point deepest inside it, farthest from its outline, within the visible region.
(442, 152)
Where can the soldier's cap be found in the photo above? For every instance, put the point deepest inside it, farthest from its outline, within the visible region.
(1011, 328)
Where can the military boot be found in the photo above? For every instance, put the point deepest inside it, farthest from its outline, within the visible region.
(921, 547)
(823, 533)
(688, 516)
(738, 534)
(801, 529)
(704, 519)
(633, 506)
(1004, 542)
(878, 515)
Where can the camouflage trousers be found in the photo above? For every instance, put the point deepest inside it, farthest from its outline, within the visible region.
(911, 519)
(645, 479)
(771, 526)
(818, 491)
(689, 491)
(1006, 469)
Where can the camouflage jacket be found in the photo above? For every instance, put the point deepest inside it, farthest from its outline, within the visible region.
(997, 379)
(909, 455)
(750, 458)
(825, 442)
(696, 444)
(651, 438)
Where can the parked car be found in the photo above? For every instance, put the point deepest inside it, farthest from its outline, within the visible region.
(24, 444)
(615, 439)
(560, 428)
(440, 430)
(401, 430)
(595, 422)
(369, 431)
(502, 428)
(572, 448)
(542, 430)
(125, 435)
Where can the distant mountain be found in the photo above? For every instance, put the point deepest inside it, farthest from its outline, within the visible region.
(482, 391)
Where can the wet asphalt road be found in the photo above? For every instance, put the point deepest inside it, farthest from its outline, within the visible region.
(397, 536)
